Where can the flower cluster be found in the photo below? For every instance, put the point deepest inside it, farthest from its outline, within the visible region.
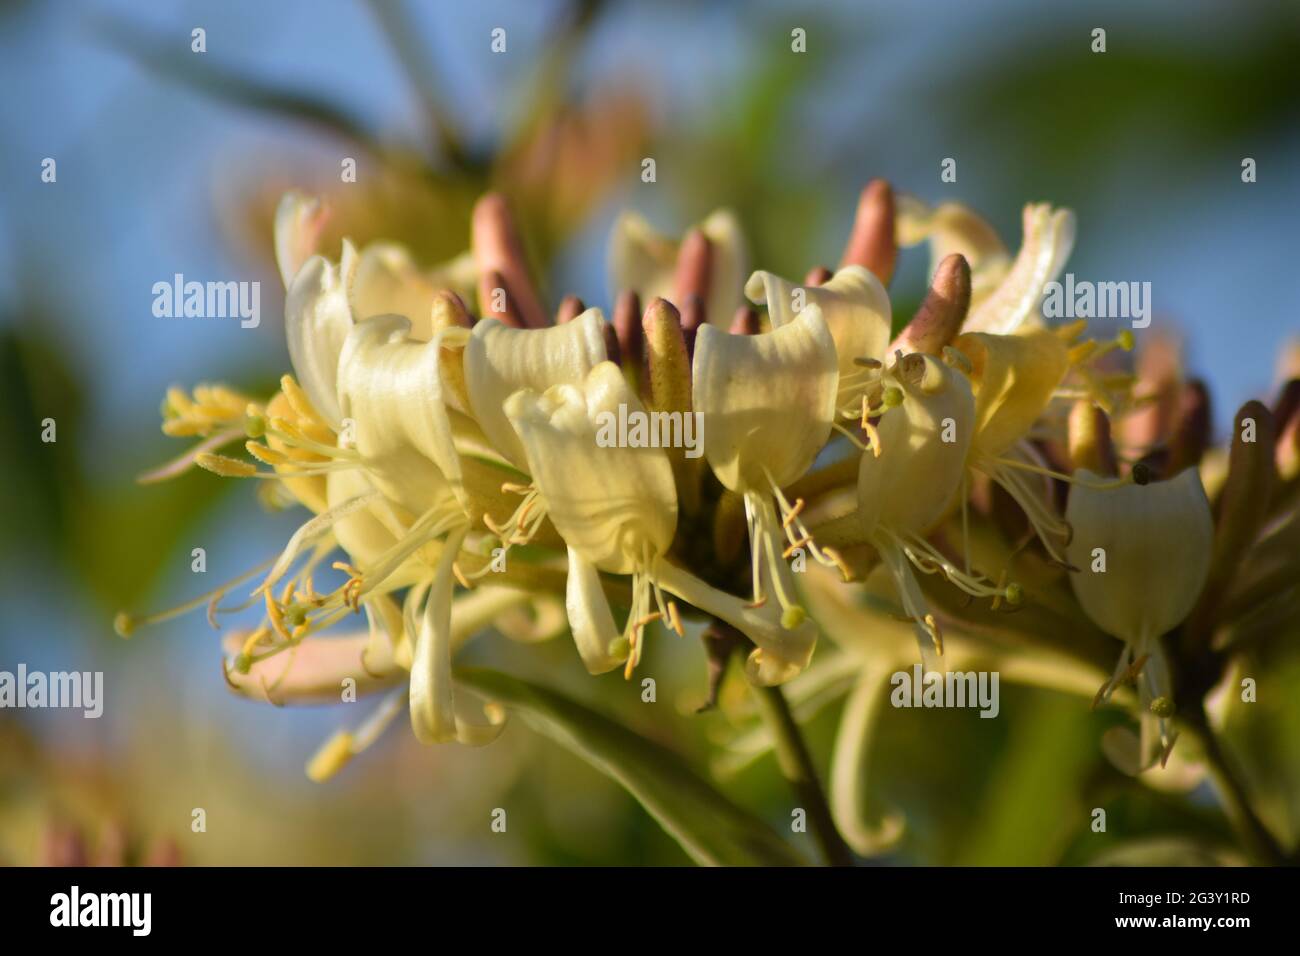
(456, 463)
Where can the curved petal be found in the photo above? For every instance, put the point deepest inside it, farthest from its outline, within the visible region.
(1014, 377)
(438, 713)
(954, 228)
(1156, 540)
(849, 767)
(500, 360)
(923, 446)
(1048, 240)
(640, 258)
(388, 282)
(853, 302)
(600, 643)
(729, 268)
(608, 501)
(390, 388)
(298, 222)
(317, 322)
(768, 400)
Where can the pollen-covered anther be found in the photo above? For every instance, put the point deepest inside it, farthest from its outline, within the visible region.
(225, 466)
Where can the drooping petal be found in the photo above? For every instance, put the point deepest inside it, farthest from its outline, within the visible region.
(853, 302)
(1014, 377)
(850, 766)
(439, 713)
(1048, 240)
(600, 643)
(317, 321)
(954, 228)
(609, 501)
(923, 441)
(1154, 542)
(500, 360)
(390, 389)
(298, 222)
(768, 400)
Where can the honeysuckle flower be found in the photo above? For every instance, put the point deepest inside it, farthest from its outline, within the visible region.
(1143, 555)
(616, 508)
(645, 261)
(1005, 294)
(500, 360)
(325, 299)
(768, 402)
(1014, 377)
(856, 309)
(923, 438)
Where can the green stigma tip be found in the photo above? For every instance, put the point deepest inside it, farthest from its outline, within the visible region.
(792, 617)
(893, 397)
(1162, 707)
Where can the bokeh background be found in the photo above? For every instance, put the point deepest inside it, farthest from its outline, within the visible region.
(171, 162)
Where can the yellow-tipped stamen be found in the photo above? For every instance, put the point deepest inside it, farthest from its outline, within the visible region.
(225, 466)
(300, 403)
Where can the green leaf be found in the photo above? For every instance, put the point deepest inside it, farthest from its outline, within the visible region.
(710, 828)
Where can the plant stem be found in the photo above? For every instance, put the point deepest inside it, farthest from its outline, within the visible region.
(1232, 789)
(796, 766)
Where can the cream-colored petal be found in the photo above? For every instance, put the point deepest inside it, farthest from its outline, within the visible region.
(388, 282)
(853, 302)
(850, 766)
(609, 502)
(433, 707)
(1048, 240)
(730, 266)
(365, 535)
(1014, 377)
(390, 389)
(768, 400)
(645, 261)
(599, 641)
(911, 483)
(298, 222)
(640, 258)
(954, 228)
(317, 322)
(501, 360)
(1156, 540)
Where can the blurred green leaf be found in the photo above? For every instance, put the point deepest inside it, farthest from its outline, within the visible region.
(710, 828)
